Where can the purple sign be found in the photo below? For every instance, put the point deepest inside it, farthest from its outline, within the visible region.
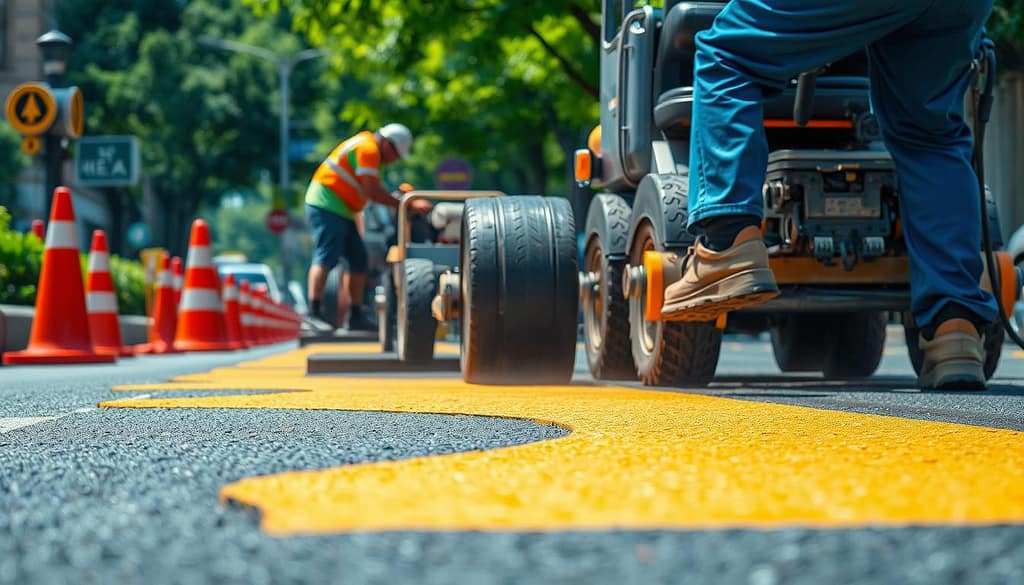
(454, 174)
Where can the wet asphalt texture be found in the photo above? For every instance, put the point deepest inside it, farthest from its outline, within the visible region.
(130, 496)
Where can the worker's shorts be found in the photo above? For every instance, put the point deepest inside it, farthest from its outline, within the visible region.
(335, 237)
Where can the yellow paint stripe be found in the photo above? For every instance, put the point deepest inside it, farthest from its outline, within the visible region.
(634, 459)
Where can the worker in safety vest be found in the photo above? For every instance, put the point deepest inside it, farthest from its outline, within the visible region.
(343, 184)
(921, 54)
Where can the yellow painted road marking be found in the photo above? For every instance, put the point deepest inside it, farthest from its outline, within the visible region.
(634, 459)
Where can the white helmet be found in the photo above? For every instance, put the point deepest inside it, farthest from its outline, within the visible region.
(399, 136)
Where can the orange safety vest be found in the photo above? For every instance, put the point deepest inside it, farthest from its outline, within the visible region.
(358, 156)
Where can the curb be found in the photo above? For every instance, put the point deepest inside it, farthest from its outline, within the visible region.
(16, 326)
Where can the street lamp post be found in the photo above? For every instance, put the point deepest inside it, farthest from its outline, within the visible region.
(284, 65)
(55, 47)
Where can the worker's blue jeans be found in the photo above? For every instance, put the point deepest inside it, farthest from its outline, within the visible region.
(920, 52)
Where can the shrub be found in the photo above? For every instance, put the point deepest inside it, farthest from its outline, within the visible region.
(21, 258)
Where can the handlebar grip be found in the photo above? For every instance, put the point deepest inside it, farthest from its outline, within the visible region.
(803, 107)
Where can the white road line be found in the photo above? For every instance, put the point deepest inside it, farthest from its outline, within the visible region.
(9, 424)
(13, 423)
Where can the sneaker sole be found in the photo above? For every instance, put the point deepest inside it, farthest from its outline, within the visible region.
(962, 375)
(742, 290)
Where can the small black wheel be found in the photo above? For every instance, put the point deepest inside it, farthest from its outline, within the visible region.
(387, 324)
(520, 291)
(669, 353)
(417, 327)
(329, 303)
(995, 335)
(605, 309)
(858, 347)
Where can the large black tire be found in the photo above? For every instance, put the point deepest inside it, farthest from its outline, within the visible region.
(417, 327)
(859, 345)
(520, 291)
(800, 342)
(388, 320)
(605, 309)
(669, 353)
(994, 338)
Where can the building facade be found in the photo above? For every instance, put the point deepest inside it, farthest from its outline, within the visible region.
(21, 23)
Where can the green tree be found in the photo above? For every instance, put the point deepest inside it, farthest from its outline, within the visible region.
(1007, 27)
(206, 120)
(511, 86)
(14, 161)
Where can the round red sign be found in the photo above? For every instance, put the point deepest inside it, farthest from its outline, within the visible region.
(278, 220)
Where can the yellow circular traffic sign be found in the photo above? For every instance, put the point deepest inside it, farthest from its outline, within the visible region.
(30, 145)
(76, 113)
(31, 108)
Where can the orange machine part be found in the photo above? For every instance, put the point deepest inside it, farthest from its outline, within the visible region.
(1007, 281)
(583, 166)
(655, 289)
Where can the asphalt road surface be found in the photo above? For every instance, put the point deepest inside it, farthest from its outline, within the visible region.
(158, 489)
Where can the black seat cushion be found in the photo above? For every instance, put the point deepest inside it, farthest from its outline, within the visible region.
(835, 98)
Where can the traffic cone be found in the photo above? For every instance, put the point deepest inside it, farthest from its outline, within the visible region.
(39, 229)
(178, 279)
(165, 314)
(100, 300)
(201, 325)
(245, 315)
(259, 311)
(60, 329)
(233, 314)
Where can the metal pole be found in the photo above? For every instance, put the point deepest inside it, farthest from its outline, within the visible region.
(52, 163)
(284, 67)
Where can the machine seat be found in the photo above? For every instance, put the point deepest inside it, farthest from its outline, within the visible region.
(835, 98)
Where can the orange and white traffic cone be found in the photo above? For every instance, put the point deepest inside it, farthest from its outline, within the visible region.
(101, 301)
(259, 319)
(39, 229)
(60, 329)
(245, 315)
(165, 314)
(233, 314)
(201, 325)
(178, 278)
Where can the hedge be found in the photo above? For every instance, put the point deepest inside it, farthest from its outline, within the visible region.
(21, 259)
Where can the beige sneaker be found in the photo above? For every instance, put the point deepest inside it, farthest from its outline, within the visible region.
(954, 359)
(721, 282)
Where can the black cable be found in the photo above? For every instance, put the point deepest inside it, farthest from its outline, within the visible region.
(986, 64)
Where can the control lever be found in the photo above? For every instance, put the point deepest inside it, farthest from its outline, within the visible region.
(803, 107)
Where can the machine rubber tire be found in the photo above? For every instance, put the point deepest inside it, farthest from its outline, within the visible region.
(330, 299)
(669, 353)
(520, 291)
(416, 325)
(797, 342)
(605, 309)
(388, 320)
(858, 346)
(994, 338)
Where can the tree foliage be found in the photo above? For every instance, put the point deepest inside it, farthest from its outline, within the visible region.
(206, 119)
(511, 86)
(1007, 27)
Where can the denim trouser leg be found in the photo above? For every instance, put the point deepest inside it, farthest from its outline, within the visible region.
(920, 53)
